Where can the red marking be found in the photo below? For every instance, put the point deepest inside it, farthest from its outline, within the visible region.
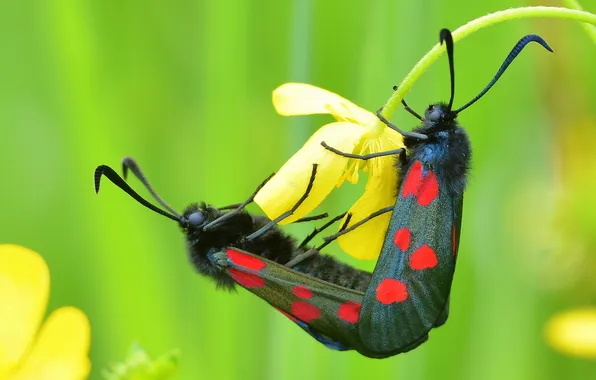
(287, 314)
(349, 311)
(302, 291)
(246, 261)
(412, 181)
(429, 189)
(402, 238)
(305, 311)
(391, 290)
(423, 258)
(454, 241)
(248, 280)
(425, 189)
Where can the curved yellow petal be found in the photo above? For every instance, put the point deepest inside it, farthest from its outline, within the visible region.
(390, 139)
(305, 99)
(24, 289)
(573, 332)
(61, 350)
(284, 190)
(370, 142)
(366, 241)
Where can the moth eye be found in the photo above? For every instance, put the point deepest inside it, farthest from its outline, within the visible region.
(196, 218)
(435, 114)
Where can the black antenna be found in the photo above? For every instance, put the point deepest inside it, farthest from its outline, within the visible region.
(512, 55)
(130, 163)
(108, 172)
(445, 36)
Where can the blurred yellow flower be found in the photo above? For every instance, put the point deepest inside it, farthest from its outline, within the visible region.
(60, 349)
(555, 228)
(573, 332)
(356, 131)
(555, 218)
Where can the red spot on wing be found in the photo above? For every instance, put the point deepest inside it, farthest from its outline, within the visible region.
(423, 258)
(246, 261)
(402, 238)
(349, 311)
(391, 290)
(412, 181)
(425, 189)
(302, 291)
(429, 189)
(305, 311)
(454, 241)
(248, 280)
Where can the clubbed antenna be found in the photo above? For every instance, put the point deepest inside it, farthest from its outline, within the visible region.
(512, 55)
(130, 163)
(445, 36)
(109, 173)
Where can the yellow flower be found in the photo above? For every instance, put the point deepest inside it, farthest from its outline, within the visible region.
(573, 332)
(60, 349)
(356, 131)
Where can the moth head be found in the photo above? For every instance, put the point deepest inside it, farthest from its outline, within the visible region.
(198, 215)
(439, 113)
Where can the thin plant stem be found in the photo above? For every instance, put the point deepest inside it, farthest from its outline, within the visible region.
(473, 26)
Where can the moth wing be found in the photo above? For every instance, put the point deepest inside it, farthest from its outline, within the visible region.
(326, 311)
(409, 291)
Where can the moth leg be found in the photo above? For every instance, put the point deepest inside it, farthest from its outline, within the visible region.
(318, 230)
(361, 157)
(407, 107)
(415, 135)
(288, 213)
(229, 207)
(305, 255)
(344, 231)
(211, 225)
(219, 259)
(301, 257)
(311, 218)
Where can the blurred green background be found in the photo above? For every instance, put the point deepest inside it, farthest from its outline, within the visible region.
(185, 88)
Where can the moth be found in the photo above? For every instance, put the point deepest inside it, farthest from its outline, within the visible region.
(411, 283)
(382, 314)
(319, 293)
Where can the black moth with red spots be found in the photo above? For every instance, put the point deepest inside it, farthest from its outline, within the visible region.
(379, 315)
(320, 294)
(409, 291)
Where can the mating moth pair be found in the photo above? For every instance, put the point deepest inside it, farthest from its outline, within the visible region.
(379, 314)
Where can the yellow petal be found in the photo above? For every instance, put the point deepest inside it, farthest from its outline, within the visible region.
(388, 140)
(304, 99)
(61, 350)
(573, 332)
(366, 241)
(24, 289)
(284, 190)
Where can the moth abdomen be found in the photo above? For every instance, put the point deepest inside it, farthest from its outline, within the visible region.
(331, 270)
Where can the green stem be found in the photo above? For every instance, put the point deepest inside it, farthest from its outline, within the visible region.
(473, 26)
(590, 29)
